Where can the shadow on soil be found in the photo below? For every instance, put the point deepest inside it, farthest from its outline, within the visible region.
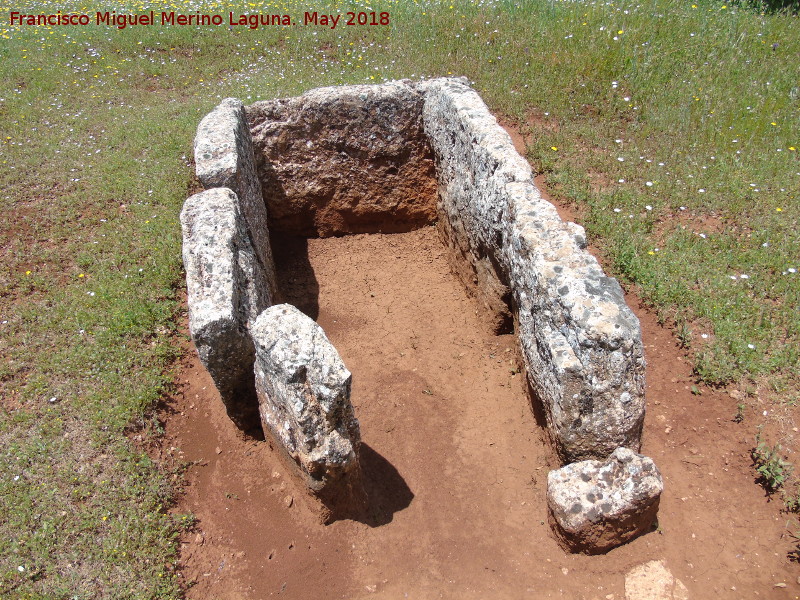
(244, 412)
(387, 491)
(296, 280)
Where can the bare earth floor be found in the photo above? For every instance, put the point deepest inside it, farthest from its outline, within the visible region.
(454, 459)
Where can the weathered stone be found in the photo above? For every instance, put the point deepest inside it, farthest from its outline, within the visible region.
(654, 581)
(223, 153)
(595, 506)
(580, 341)
(227, 289)
(351, 159)
(304, 400)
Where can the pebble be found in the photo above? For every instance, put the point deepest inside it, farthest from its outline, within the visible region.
(288, 501)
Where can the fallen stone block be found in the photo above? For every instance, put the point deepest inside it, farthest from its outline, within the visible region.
(304, 400)
(595, 506)
(223, 154)
(227, 290)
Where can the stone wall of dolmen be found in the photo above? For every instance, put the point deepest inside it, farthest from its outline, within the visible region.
(580, 342)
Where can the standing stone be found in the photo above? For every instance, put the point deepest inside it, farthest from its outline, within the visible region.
(595, 506)
(346, 159)
(227, 290)
(304, 400)
(654, 581)
(223, 153)
(581, 343)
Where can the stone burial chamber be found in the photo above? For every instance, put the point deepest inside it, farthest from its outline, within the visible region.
(392, 158)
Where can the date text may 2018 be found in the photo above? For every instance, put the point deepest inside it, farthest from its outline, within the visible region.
(351, 18)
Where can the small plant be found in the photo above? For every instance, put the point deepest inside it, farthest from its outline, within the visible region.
(794, 554)
(684, 336)
(773, 470)
(792, 501)
(739, 416)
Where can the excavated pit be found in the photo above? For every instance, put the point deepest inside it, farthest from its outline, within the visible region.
(388, 159)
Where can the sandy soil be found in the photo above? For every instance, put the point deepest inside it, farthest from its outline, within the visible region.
(455, 461)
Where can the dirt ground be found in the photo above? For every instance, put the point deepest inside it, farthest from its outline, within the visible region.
(454, 459)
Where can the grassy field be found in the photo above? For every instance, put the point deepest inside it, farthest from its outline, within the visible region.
(673, 128)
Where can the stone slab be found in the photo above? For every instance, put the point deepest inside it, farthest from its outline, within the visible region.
(223, 151)
(303, 390)
(581, 343)
(346, 159)
(227, 290)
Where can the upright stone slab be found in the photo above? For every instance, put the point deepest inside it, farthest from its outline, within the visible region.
(304, 400)
(581, 343)
(223, 153)
(595, 506)
(346, 159)
(227, 289)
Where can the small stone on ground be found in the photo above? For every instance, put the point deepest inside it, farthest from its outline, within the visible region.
(654, 581)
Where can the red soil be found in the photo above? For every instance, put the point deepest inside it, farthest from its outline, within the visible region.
(454, 459)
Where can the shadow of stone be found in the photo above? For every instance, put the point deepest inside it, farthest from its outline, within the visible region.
(537, 405)
(296, 281)
(244, 411)
(386, 490)
(552, 456)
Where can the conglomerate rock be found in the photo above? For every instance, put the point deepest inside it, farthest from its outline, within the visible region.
(223, 154)
(227, 289)
(595, 506)
(347, 159)
(304, 399)
(581, 343)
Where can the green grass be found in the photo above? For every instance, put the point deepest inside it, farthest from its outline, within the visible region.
(96, 129)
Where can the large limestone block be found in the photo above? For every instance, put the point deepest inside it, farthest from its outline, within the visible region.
(304, 399)
(227, 290)
(347, 159)
(595, 506)
(223, 152)
(580, 341)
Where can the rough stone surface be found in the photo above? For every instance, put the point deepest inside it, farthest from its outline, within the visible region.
(227, 289)
(595, 506)
(223, 152)
(350, 159)
(580, 341)
(304, 400)
(654, 581)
